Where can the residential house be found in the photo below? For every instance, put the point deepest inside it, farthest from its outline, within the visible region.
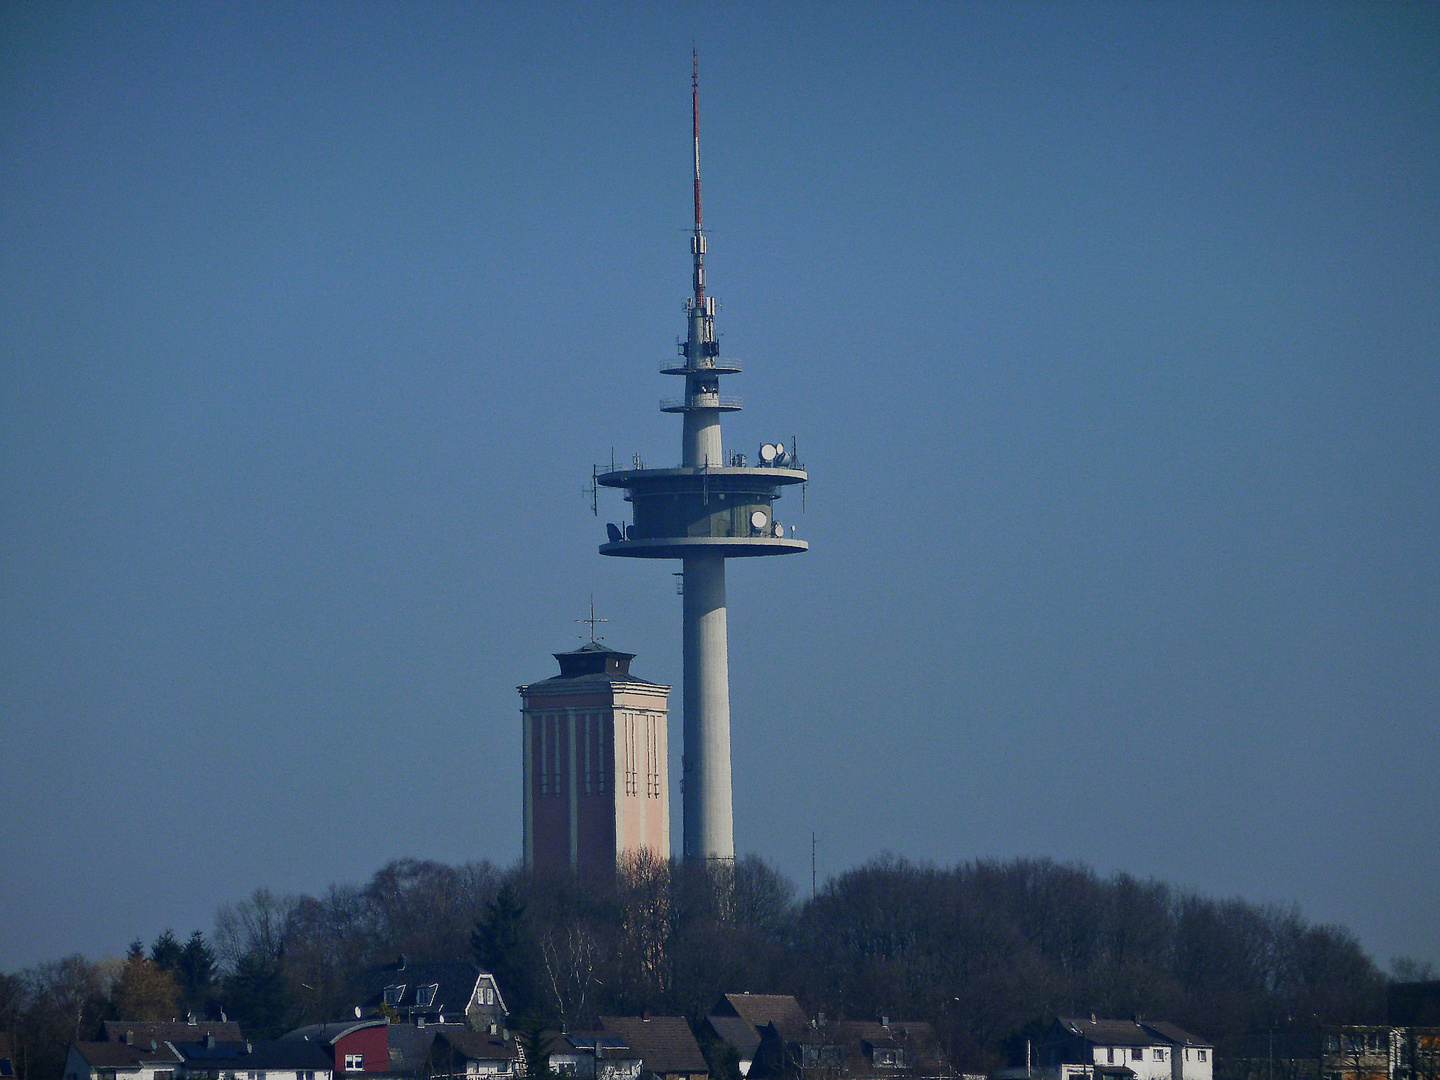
(1381, 1052)
(351, 1046)
(121, 1060)
(665, 1046)
(456, 1053)
(433, 993)
(7, 1057)
(141, 1032)
(280, 1059)
(593, 1055)
(739, 1022)
(1096, 1049)
(889, 1048)
(792, 1045)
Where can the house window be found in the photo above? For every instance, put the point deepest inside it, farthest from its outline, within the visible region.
(1159, 1054)
(1136, 1054)
(1109, 1055)
(393, 994)
(354, 1062)
(304, 1074)
(425, 995)
(1199, 1055)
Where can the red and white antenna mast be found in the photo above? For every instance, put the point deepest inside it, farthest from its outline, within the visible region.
(698, 246)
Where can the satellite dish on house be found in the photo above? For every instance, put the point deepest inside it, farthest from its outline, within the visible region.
(767, 453)
(357, 1012)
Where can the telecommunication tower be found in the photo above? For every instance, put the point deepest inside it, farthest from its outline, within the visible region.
(703, 512)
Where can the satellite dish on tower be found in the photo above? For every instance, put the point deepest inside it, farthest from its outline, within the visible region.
(767, 453)
(757, 519)
(613, 531)
(779, 530)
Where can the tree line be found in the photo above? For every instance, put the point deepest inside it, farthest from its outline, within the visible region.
(987, 951)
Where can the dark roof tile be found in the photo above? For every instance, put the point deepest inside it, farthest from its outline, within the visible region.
(665, 1043)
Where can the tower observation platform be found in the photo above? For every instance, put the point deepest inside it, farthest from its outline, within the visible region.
(706, 510)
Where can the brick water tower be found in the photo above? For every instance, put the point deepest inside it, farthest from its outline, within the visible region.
(596, 764)
(707, 509)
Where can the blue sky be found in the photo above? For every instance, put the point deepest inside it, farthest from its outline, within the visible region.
(1108, 333)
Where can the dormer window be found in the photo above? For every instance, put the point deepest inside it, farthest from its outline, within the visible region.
(425, 995)
(393, 994)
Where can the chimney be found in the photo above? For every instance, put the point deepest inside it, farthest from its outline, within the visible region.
(1092, 1018)
(646, 1016)
(209, 1040)
(884, 1021)
(129, 1039)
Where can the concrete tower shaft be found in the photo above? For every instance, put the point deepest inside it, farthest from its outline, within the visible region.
(700, 442)
(708, 825)
(702, 512)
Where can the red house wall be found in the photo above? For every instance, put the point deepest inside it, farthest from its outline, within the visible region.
(372, 1042)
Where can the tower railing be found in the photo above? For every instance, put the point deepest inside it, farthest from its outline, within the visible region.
(728, 402)
(712, 364)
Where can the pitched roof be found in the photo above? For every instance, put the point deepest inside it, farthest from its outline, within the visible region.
(454, 983)
(664, 1043)
(860, 1038)
(332, 1032)
(276, 1054)
(1130, 1032)
(120, 1055)
(1176, 1035)
(1112, 1032)
(782, 1010)
(476, 1045)
(738, 1032)
(142, 1031)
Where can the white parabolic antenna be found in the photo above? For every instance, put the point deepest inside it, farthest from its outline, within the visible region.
(767, 453)
(757, 519)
